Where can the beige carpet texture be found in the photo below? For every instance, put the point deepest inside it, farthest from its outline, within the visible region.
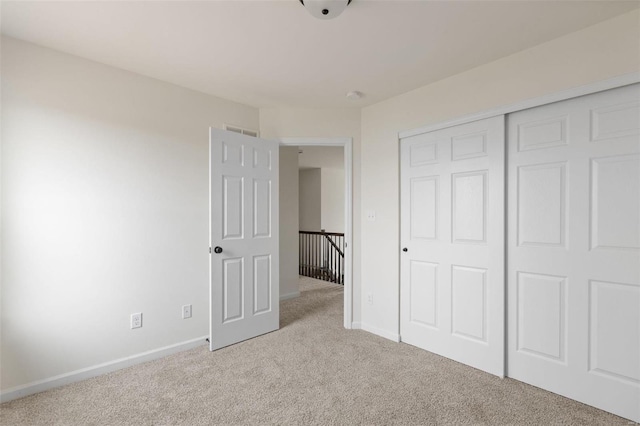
(310, 372)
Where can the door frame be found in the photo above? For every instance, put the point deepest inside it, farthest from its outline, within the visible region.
(347, 143)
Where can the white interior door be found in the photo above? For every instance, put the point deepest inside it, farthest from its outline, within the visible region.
(452, 216)
(574, 249)
(244, 288)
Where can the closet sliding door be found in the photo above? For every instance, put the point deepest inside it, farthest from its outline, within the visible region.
(452, 236)
(573, 246)
(574, 249)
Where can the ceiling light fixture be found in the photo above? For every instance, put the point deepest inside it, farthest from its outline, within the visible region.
(325, 9)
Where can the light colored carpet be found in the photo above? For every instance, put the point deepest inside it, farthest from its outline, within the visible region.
(312, 371)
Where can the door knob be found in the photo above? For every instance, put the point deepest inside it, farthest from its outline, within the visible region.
(405, 249)
(218, 249)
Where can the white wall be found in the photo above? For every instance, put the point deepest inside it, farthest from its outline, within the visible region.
(309, 199)
(104, 211)
(596, 53)
(323, 123)
(289, 222)
(330, 159)
(321, 200)
(321, 157)
(332, 199)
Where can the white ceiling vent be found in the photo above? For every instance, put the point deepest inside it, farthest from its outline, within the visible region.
(240, 130)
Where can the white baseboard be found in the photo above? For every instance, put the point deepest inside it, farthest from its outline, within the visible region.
(287, 296)
(97, 370)
(377, 331)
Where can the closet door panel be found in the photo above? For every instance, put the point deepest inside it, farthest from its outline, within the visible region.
(452, 283)
(574, 249)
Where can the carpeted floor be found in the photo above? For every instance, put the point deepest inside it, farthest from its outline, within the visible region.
(312, 371)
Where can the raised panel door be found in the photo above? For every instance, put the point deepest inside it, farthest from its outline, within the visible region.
(244, 286)
(574, 249)
(452, 225)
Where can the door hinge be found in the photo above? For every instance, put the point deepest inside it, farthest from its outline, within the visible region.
(209, 250)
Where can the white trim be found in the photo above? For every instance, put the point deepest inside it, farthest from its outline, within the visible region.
(574, 92)
(347, 143)
(395, 337)
(100, 369)
(288, 296)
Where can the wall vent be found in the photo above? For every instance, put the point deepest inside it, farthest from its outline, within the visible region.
(240, 130)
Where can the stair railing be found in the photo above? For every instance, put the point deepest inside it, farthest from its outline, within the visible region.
(322, 255)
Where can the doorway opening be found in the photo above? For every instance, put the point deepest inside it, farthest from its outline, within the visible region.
(322, 249)
(321, 213)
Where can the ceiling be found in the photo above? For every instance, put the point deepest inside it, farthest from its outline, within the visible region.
(274, 54)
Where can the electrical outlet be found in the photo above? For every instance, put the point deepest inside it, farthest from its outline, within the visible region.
(136, 320)
(370, 298)
(371, 215)
(186, 311)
